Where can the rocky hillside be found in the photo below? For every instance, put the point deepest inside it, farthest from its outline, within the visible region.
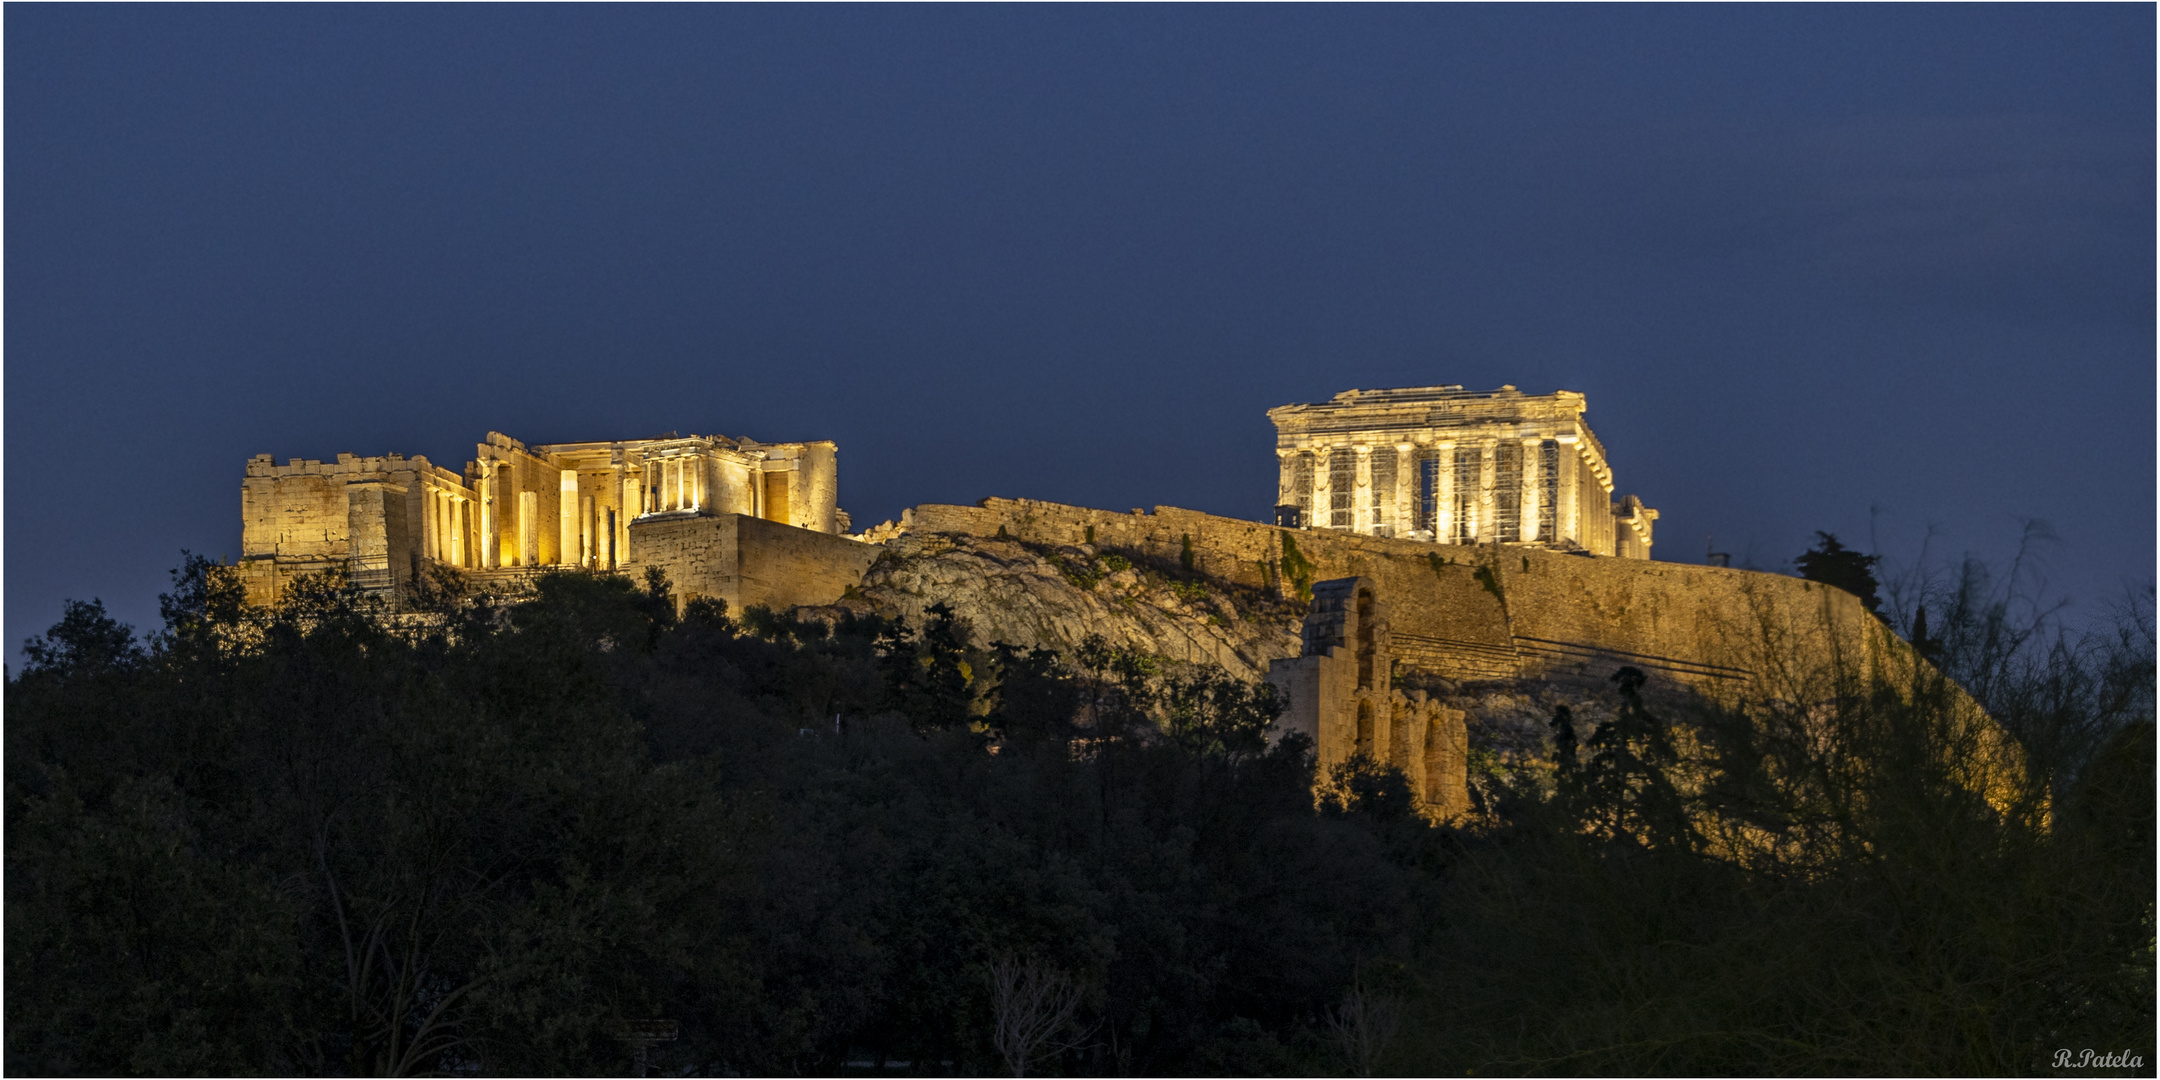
(1054, 597)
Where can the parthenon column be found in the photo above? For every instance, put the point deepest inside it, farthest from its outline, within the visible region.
(1361, 503)
(1533, 485)
(1286, 473)
(1323, 488)
(1407, 486)
(1486, 523)
(1568, 520)
(1444, 515)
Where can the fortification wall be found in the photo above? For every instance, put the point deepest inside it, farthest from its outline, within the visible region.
(1489, 613)
(744, 560)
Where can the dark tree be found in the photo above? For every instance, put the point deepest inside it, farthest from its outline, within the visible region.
(1832, 563)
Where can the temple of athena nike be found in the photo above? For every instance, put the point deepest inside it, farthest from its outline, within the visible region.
(1448, 466)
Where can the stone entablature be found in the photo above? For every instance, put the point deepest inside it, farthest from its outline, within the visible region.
(1448, 466)
(516, 508)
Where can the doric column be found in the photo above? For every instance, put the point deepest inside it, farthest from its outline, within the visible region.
(490, 531)
(458, 514)
(528, 528)
(1487, 520)
(430, 520)
(1361, 502)
(1444, 516)
(622, 523)
(585, 534)
(1568, 520)
(569, 525)
(1286, 477)
(1323, 488)
(1533, 487)
(1407, 485)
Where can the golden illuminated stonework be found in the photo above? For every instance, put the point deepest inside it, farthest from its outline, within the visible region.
(384, 521)
(1448, 466)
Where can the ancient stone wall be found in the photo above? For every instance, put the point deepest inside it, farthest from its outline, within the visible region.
(1339, 693)
(376, 517)
(1486, 612)
(744, 560)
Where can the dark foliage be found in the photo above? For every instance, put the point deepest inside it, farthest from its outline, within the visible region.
(1832, 563)
(474, 839)
(326, 840)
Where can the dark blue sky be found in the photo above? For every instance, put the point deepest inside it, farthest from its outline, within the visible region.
(1814, 266)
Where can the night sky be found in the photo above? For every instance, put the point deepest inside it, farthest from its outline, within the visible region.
(1880, 270)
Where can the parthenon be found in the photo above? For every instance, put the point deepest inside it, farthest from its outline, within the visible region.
(385, 520)
(1449, 466)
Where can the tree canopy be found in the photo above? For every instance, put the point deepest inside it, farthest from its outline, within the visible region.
(479, 838)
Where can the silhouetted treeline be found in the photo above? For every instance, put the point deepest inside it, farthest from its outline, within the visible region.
(324, 840)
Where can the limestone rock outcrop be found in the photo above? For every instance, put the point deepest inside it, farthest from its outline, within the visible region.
(1056, 596)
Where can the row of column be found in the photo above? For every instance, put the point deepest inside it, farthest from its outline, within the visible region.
(447, 519)
(674, 483)
(1466, 489)
(596, 526)
(521, 512)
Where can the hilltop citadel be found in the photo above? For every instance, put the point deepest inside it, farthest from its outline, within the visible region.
(1432, 537)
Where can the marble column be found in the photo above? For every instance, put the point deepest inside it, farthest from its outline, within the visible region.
(459, 513)
(1323, 488)
(528, 528)
(445, 518)
(1361, 502)
(1486, 518)
(490, 532)
(1533, 487)
(1444, 515)
(1407, 485)
(1567, 517)
(625, 510)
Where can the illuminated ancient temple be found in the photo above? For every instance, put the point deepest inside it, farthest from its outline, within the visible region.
(386, 520)
(1448, 466)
